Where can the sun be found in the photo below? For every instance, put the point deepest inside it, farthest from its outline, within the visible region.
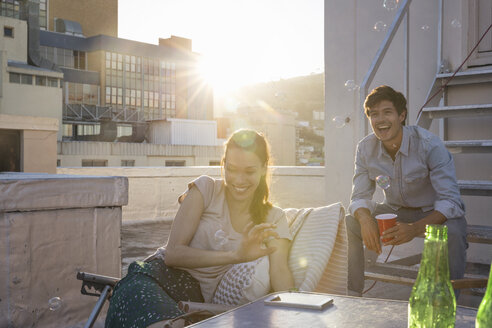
(220, 74)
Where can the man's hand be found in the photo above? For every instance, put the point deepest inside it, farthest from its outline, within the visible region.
(401, 233)
(370, 234)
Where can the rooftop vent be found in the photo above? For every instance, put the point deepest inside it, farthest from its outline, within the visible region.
(68, 27)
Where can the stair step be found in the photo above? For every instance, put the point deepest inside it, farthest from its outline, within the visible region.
(469, 146)
(475, 187)
(467, 77)
(457, 111)
(479, 234)
(403, 275)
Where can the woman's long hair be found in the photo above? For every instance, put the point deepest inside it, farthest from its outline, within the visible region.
(256, 143)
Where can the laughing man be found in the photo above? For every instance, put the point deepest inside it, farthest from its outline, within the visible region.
(422, 190)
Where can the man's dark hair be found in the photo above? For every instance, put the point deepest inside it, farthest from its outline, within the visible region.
(385, 92)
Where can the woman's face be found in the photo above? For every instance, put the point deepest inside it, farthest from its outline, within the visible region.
(243, 171)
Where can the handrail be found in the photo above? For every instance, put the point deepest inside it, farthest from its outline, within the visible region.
(400, 14)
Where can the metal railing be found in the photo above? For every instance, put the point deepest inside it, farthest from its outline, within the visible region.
(401, 14)
(96, 113)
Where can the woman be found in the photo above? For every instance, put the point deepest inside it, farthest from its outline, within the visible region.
(219, 223)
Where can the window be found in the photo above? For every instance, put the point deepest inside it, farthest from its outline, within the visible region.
(14, 77)
(124, 130)
(42, 14)
(8, 31)
(94, 162)
(26, 79)
(82, 93)
(175, 163)
(67, 130)
(58, 162)
(41, 80)
(10, 8)
(88, 129)
(79, 59)
(53, 82)
(127, 162)
(214, 163)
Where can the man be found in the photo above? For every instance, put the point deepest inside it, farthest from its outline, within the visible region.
(423, 188)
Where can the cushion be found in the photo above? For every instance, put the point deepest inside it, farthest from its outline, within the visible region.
(314, 231)
(244, 282)
(317, 258)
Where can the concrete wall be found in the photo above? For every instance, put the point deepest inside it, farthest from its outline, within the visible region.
(31, 100)
(73, 152)
(21, 99)
(15, 47)
(38, 141)
(53, 226)
(153, 191)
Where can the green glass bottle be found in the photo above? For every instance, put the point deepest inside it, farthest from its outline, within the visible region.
(484, 314)
(432, 303)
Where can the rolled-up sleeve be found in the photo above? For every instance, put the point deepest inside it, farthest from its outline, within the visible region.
(443, 179)
(362, 186)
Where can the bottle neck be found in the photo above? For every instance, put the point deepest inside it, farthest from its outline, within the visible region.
(435, 262)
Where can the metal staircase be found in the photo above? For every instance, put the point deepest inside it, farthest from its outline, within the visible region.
(403, 271)
(477, 233)
(466, 129)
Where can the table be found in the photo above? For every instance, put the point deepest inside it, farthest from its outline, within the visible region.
(346, 311)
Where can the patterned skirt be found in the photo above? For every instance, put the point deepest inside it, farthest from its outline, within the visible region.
(150, 293)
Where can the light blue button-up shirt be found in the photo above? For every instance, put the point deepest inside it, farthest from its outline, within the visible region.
(422, 174)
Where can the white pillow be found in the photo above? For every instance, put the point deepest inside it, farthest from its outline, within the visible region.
(314, 231)
(244, 282)
(313, 243)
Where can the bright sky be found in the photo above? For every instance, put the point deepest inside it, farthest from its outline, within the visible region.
(242, 41)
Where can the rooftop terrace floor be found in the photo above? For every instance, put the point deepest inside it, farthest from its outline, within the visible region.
(141, 239)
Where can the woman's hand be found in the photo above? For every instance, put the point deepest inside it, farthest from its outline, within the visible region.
(253, 243)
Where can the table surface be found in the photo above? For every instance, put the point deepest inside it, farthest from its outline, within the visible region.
(346, 311)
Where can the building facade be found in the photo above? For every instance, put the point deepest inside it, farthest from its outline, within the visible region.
(107, 89)
(279, 127)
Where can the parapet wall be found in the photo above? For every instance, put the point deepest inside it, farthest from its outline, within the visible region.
(153, 191)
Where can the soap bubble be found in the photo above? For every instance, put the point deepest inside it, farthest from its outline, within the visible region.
(351, 85)
(390, 5)
(55, 303)
(340, 121)
(383, 181)
(220, 237)
(425, 27)
(455, 23)
(380, 26)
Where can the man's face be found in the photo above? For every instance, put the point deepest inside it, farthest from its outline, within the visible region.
(385, 122)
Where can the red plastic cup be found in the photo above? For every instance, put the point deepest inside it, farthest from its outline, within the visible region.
(386, 221)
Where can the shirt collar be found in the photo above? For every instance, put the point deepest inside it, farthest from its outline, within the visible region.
(405, 143)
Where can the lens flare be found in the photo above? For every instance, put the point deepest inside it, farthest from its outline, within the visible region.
(303, 262)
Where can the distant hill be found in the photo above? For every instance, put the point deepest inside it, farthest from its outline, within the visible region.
(301, 94)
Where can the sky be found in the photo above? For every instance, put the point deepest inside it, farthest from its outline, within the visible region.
(242, 41)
